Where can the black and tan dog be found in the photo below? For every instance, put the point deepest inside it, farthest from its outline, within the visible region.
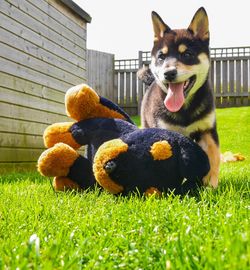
(180, 96)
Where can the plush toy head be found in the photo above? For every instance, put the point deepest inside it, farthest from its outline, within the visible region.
(121, 158)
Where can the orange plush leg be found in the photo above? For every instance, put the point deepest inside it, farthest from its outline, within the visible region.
(56, 161)
(59, 132)
(82, 103)
(62, 183)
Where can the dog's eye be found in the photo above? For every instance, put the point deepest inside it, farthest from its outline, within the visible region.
(161, 56)
(187, 54)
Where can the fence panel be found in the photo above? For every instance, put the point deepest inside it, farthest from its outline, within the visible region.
(100, 73)
(127, 86)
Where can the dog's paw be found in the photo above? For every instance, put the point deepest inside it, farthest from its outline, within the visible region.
(210, 180)
(145, 75)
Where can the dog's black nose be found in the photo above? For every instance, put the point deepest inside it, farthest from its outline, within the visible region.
(170, 75)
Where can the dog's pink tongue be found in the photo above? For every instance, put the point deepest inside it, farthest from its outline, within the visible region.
(175, 97)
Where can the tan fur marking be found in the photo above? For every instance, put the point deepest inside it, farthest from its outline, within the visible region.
(62, 183)
(200, 70)
(59, 132)
(165, 49)
(182, 48)
(161, 150)
(56, 161)
(212, 150)
(107, 151)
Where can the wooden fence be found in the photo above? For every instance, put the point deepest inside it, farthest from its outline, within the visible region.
(42, 54)
(230, 76)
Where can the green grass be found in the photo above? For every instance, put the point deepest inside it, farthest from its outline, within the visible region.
(96, 230)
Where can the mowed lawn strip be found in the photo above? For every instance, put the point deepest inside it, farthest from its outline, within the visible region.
(41, 229)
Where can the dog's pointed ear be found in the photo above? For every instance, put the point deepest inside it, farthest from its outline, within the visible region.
(159, 26)
(199, 24)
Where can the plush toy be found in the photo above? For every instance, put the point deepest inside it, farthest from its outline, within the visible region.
(121, 158)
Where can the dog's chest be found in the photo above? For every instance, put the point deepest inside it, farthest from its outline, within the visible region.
(201, 125)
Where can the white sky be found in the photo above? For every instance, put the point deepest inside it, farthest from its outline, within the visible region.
(123, 27)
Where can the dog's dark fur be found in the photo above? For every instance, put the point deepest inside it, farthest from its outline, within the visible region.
(180, 56)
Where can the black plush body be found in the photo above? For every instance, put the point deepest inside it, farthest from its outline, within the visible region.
(136, 169)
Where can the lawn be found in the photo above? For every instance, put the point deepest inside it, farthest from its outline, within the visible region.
(41, 229)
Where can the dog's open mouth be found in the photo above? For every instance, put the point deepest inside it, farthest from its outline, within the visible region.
(177, 92)
(189, 84)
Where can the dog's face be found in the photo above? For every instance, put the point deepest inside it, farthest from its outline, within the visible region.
(180, 58)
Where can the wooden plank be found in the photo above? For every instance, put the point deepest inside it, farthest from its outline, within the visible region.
(62, 18)
(121, 88)
(39, 41)
(130, 110)
(16, 14)
(245, 82)
(241, 57)
(109, 74)
(231, 82)
(23, 45)
(218, 82)
(212, 74)
(14, 111)
(116, 87)
(29, 101)
(21, 127)
(140, 84)
(134, 87)
(32, 10)
(19, 154)
(102, 76)
(127, 93)
(131, 105)
(31, 88)
(36, 64)
(101, 73)
(233, 95)
(18, 70)
(224, 83)
(11, 140)
(96, 74)
(238, 81)
(67, 12)
(89, 67)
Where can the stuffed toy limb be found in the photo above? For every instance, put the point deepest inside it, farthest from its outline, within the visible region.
(123, 158)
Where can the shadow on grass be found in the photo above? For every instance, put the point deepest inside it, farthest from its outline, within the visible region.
(234, 186)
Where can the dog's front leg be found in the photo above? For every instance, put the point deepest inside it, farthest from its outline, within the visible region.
(209, 144)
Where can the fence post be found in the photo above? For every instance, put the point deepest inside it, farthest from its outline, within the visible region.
(140, 85)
